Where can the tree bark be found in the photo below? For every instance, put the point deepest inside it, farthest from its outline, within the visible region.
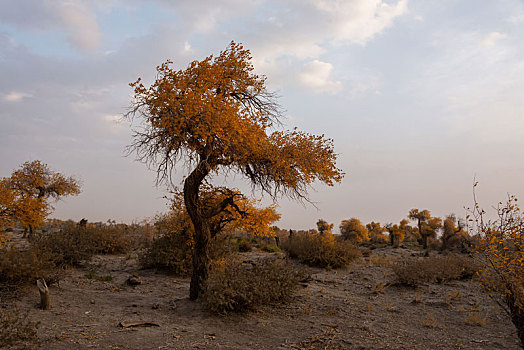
(202, 229)
(517, 314)
(425, 241)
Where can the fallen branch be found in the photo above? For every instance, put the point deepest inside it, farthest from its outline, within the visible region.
(138, 324)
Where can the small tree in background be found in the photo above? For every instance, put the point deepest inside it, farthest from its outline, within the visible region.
(454, 235)
(502, 250)
(354, 231)
(430, 229)
(396, 234)
(427, 225)
(377, 232)
(215, 117)
(324, 227)
(26, 195)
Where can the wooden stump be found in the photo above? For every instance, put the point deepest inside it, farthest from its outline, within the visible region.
(44, 294)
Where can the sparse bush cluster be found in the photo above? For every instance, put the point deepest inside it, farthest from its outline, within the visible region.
(171, 252)
(20, 266)
(68, 247)
(17, 331)
(321, 250)
(234, 286)
(50, 252)
(434, 269)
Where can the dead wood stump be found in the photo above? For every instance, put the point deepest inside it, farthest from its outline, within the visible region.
(44, 294)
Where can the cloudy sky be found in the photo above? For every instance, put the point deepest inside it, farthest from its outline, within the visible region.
(420, 96)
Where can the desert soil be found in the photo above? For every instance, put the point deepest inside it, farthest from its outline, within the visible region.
(356, 308)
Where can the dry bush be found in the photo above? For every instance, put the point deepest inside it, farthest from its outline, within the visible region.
(172, 252)
(70, 246)
(19, 266)
(242, 245)
(435, 269)
(378, 238)
(321, 250)
(111, 239)
(233, 286)
(270, 248)
(17, 331)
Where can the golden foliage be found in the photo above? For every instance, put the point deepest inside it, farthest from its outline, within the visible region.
(354, 231)
(238, 213)
(324, 227)
(396, 233)
(427, 225)
(502, 247)
(377, 233)
(216, 115)
(453, 237)
(219, 111)
(25, 195)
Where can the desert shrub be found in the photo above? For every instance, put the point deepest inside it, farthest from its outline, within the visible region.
(233, 286)
(171, 252)
(244, 245)
(111, 239)
(68, 247)
(93, 274)
(17, 331)
(271, 248)
(320, 250)
(434, 269)
(18, 266)
(378, 238)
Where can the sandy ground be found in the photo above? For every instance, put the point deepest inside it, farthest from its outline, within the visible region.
(355, 308)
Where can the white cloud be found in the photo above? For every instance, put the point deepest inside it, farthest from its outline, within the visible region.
(360, 20)
(76, 18)
(305, 30)
(516, 19)
(316, 75)
(362, 87)
(112, 118)
(187, 47)
(419, 18)
(79, 22)
(15, 96)
(492, 38)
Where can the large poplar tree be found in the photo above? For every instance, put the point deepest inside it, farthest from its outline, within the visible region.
(217, 115)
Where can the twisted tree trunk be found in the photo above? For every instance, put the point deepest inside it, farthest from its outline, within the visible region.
(202, 229)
